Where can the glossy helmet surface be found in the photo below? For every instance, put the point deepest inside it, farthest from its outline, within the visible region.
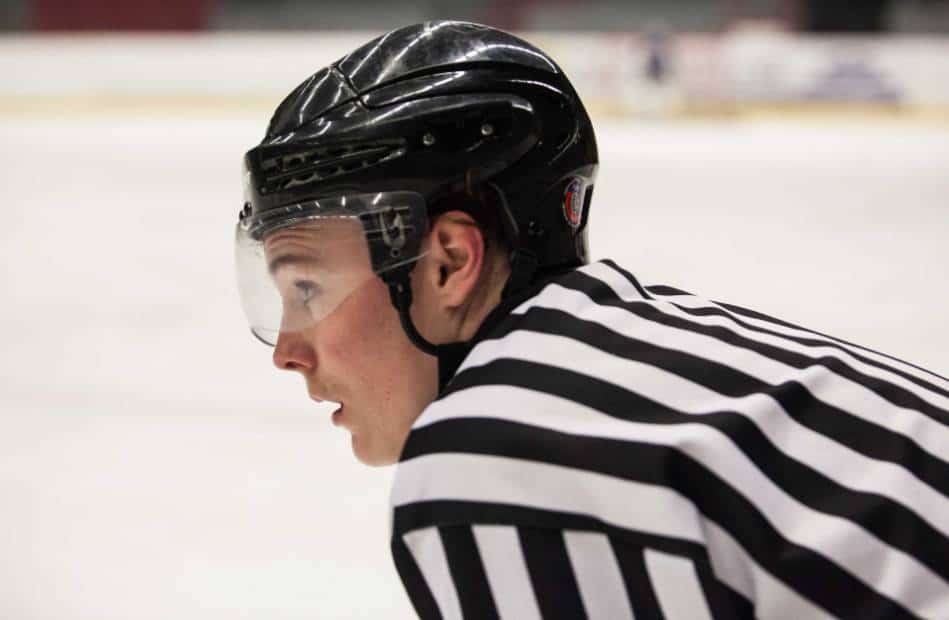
(457, 112)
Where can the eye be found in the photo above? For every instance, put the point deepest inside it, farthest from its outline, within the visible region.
(307, 289)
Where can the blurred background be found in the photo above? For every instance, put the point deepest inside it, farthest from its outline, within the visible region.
(786, 155)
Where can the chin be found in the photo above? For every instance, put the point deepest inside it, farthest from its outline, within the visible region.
(373, 458)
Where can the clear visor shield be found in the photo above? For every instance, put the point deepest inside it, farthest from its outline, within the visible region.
(299, 263)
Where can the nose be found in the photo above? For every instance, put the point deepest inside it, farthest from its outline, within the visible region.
(293, 352)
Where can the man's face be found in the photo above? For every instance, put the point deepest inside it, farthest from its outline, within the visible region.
(342, 334)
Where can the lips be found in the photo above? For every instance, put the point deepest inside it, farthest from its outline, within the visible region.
(337, 413)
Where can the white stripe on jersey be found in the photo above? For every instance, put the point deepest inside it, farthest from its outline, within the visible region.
(677, 586)
(598, 576)
(506, 571)
(477, 478)
(426, 548)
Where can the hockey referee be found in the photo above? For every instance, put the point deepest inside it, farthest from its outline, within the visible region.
(570, 443)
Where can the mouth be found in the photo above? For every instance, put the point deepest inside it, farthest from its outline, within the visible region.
(337, 414)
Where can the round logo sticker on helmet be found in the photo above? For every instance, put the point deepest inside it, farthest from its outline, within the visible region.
(573, 202)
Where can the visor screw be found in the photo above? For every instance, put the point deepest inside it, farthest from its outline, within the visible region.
(487, 129)
(428, 139)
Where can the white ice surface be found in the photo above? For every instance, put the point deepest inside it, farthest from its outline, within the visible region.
(154, 465)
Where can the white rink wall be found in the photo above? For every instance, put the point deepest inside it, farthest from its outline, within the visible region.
(154, 465)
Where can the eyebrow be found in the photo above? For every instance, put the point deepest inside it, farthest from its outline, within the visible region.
(290, 259)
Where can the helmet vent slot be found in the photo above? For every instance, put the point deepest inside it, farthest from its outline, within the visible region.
(317, 164)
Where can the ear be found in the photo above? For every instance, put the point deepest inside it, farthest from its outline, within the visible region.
(457, 254)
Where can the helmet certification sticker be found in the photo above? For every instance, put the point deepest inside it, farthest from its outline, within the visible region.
(573, 202)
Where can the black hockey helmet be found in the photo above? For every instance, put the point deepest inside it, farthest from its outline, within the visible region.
(454, 115)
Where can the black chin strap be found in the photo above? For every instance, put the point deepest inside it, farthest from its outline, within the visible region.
(450, 356)
(400, 292)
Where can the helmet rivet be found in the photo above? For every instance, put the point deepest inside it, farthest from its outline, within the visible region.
(487, 129)
(428, 139)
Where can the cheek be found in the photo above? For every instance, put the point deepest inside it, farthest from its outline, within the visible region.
(364, 338)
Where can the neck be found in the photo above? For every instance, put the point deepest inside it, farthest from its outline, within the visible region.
(472, 315)
(450, 356)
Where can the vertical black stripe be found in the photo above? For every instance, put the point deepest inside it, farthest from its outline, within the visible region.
(722, 600)
(639, 588)
(551, 574)
(467, 571)
(419, 593)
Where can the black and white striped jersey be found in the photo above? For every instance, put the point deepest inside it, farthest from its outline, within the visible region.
(608, 450)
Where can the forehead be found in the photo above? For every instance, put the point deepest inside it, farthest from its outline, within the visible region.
(317, 232)
(317, 241)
